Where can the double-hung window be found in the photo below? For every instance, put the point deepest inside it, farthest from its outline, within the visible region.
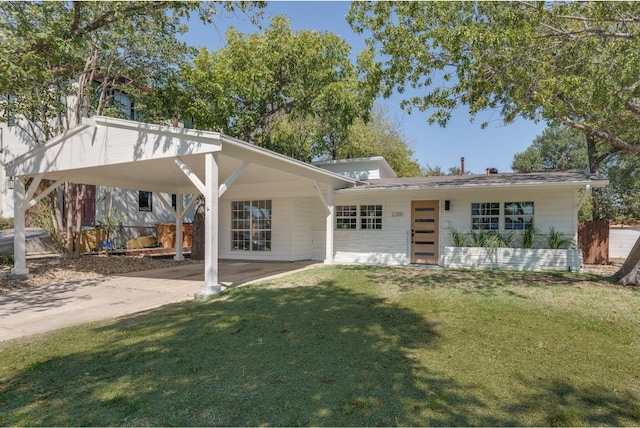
(371, 217)
(485, 216)
(518, 215)
(346, 217)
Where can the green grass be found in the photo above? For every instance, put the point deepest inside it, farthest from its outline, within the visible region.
(347, 346)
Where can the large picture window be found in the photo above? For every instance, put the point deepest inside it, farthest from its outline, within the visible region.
(251, 225)
(485, 216)
(518, 215)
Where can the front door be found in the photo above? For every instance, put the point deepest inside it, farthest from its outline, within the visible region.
(424, 232)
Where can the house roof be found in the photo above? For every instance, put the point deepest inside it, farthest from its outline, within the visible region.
(379, 161)
(133, 155)
(508, 180)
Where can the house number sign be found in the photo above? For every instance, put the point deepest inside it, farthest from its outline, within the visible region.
(397, 213)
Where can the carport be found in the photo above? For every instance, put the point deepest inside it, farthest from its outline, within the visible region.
(132, 155)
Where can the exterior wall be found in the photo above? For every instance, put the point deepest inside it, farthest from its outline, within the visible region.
(391, 245)
(125, 208)
(292, 205)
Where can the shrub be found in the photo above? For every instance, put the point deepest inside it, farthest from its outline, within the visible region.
(6, 223)
(556, 240)
(459, 238)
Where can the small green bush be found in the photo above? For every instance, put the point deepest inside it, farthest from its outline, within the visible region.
(556, 240)
(6, 223)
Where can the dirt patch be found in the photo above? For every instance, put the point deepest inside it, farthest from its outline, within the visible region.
(50, 270)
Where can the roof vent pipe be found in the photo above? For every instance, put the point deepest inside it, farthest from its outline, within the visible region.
(462, 165)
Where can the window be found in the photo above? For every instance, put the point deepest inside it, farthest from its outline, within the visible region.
(346, 217)
(485, 216)
(251, 225)
(145, 201)
(371, 217)
(518, 215)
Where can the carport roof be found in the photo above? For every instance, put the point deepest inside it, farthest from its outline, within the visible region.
(128, 154)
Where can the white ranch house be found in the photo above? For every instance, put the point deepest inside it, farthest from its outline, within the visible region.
(265, 206)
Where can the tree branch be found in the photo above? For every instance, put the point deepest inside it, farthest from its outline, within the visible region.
(614, 140)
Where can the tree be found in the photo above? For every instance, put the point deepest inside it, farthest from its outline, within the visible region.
(380, 136)
(573, 63)
(60, 61)
(556, 148)
(293, 92)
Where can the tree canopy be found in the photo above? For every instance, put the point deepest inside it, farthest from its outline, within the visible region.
(60, 61)
(556, 148)
(294, 92)
(573, 63)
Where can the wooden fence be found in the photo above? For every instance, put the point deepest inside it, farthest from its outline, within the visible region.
(593, 237)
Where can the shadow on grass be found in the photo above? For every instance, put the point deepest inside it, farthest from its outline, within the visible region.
(318, 355)
(486, 282)
(321, 355)
(564, 404)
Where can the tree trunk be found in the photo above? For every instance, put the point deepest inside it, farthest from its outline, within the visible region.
(629, 273)
(197, 241)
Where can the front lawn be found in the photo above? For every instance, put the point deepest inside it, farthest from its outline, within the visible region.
(347, 346)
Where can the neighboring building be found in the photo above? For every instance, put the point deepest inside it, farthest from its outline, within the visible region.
(265, 206)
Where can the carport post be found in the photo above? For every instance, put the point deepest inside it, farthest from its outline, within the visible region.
(179, 214)
(331, 210)
(19, 229)
(211, 285)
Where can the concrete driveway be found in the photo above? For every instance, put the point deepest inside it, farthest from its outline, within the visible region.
(36, 310)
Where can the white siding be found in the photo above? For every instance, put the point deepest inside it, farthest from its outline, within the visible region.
(294, 204)
(302, 228)
(391, 245)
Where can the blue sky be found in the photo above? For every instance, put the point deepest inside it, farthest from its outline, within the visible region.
(492, 147)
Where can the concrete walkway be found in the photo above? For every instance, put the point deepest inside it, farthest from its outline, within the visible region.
(36, 310)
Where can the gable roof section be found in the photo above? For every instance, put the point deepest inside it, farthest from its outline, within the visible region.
(356, 167)
(133, 155)
(571, 179)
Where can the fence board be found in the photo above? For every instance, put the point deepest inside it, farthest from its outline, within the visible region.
(593, 237)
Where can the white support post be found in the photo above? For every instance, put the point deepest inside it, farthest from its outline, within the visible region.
(211, 285)
(328, 258)
(19, 237)
(179, 214)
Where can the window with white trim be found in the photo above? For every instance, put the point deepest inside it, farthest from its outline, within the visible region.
(485, 216)
(346, 217)
(371, 217)
(251, 225)
(518, 215)
(363, 217)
